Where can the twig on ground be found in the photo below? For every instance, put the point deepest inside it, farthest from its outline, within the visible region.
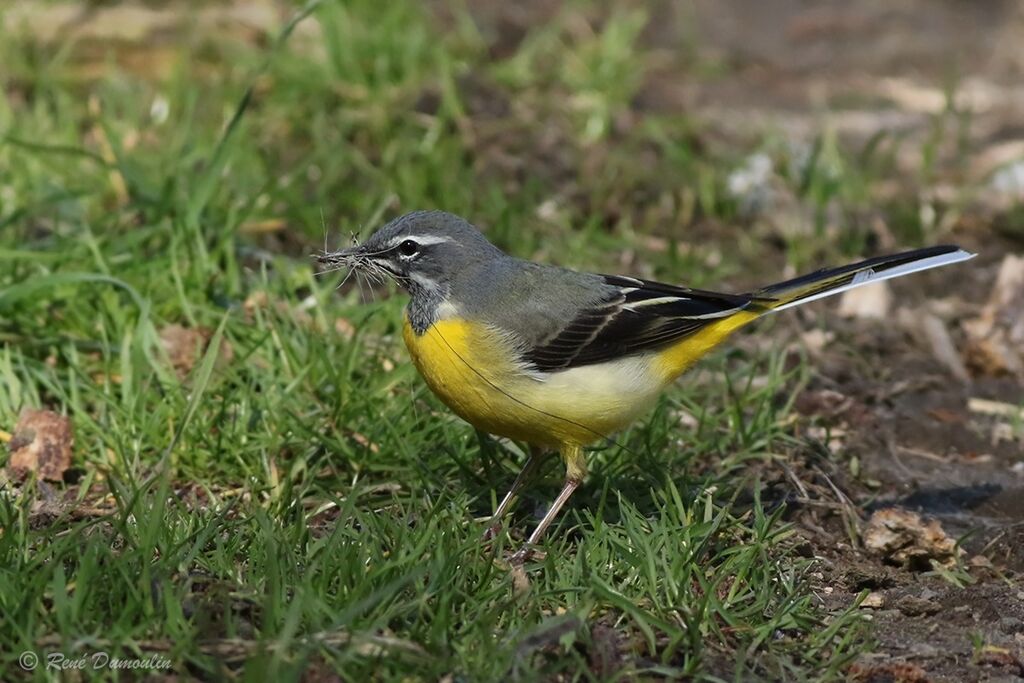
(987, 407)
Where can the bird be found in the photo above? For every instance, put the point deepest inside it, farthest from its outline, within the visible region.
(557, 358)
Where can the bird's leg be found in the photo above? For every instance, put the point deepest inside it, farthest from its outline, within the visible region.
(533, 461)
(575, 472)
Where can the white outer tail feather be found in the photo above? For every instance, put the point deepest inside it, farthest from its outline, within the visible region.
(869, 276)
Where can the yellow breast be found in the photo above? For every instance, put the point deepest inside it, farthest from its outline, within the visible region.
(472, 368)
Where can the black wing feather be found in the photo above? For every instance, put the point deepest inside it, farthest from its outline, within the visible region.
(639, 315)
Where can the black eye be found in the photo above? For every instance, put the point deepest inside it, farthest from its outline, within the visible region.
(408, 248)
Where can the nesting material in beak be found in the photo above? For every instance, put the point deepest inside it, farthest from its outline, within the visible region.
(357, 260)
(340, 258)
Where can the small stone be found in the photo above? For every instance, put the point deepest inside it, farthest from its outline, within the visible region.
(924, 650)
(874, 600)
(1011, 625)
(913, 606)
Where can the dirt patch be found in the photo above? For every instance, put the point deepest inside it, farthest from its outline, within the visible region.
(905, 441)
(976, 622)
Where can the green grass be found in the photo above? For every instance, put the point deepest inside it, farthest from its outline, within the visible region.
(302, 501)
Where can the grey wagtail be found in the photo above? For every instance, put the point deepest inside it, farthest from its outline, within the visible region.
(558, 358)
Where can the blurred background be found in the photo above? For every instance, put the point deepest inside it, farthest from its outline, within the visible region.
(855, 124)
(168, 168)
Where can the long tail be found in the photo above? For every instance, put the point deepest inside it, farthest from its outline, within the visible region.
(675, 360)
(829, 281)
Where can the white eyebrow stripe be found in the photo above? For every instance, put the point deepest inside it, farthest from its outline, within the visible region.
(422, 240)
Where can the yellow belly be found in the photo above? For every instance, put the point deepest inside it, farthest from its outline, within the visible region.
(471, 368)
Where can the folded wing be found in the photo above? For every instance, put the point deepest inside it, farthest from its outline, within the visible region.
(636, 316)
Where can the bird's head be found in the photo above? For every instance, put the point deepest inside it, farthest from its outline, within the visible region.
(421, 251)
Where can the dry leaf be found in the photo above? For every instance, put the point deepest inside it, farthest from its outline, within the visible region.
(520, 581)
(41, 443)
(901, 537)
(998, 408)
(990, 355)
(947, 416)
(343, 327)
(365, 442)
(260, 300)
(257, 299)
(996, 337)
(930, 329)
(897, 672)
(822, 402)
(869, 301)
(185, 346)
(1000, 657)
(127, 23)
(816, 340)
(262, 226)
